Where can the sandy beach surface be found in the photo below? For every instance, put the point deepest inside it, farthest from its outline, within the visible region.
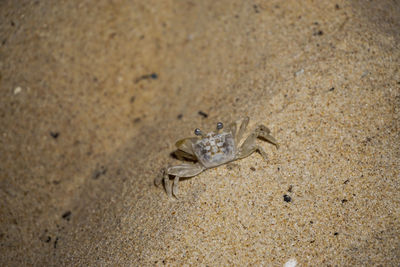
(94, 95)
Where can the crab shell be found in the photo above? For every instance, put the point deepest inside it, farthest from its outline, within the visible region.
(215, 149)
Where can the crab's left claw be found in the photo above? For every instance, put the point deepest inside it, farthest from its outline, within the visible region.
(263, 132)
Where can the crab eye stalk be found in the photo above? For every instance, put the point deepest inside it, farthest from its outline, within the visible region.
(220, 125)
(197, 132)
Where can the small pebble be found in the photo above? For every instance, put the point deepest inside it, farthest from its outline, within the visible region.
(203, 114)
(300, 72)
(54, 134)
(67, 215)
(17, 90)
(256, 9)
(101, 171)
(287, 198)
(291, 263)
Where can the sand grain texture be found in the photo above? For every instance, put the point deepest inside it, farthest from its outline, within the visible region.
(94, 95)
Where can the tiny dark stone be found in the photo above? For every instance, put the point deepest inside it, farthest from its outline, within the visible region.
(279, 169)
(4, 42)
(137, 120)
(346, 182)
(12, 23)
(331, 89)
(180, 116)
(153, 76)
(67, 215)
(101, 171)
(312, 241)
(112, 35)
(252, 168)
(311, 222)
(336, 233)
(55, 242)
(48, 239)
(290, 189)
(319, 33)
(287, 198)
(344, 200)
(256, 9)
(337, 6)
(132, 99)
(55, 134)
(229, 167)
(203, 114)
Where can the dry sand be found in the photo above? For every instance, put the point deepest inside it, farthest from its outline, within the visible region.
(94, 95)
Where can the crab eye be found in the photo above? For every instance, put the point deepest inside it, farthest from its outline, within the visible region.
(220, 126)
(197, 131)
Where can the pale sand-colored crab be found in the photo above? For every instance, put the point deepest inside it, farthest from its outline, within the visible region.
(214, 149)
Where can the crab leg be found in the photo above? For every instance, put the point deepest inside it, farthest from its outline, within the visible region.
(175, 186)
(242, 129)
(237, 134)
(263, 132)
(249, 146)
(158, 179)
(183, 170)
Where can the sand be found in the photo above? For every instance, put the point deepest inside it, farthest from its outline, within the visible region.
(94, 95)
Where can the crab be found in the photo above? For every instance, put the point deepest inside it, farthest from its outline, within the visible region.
(214, 149)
